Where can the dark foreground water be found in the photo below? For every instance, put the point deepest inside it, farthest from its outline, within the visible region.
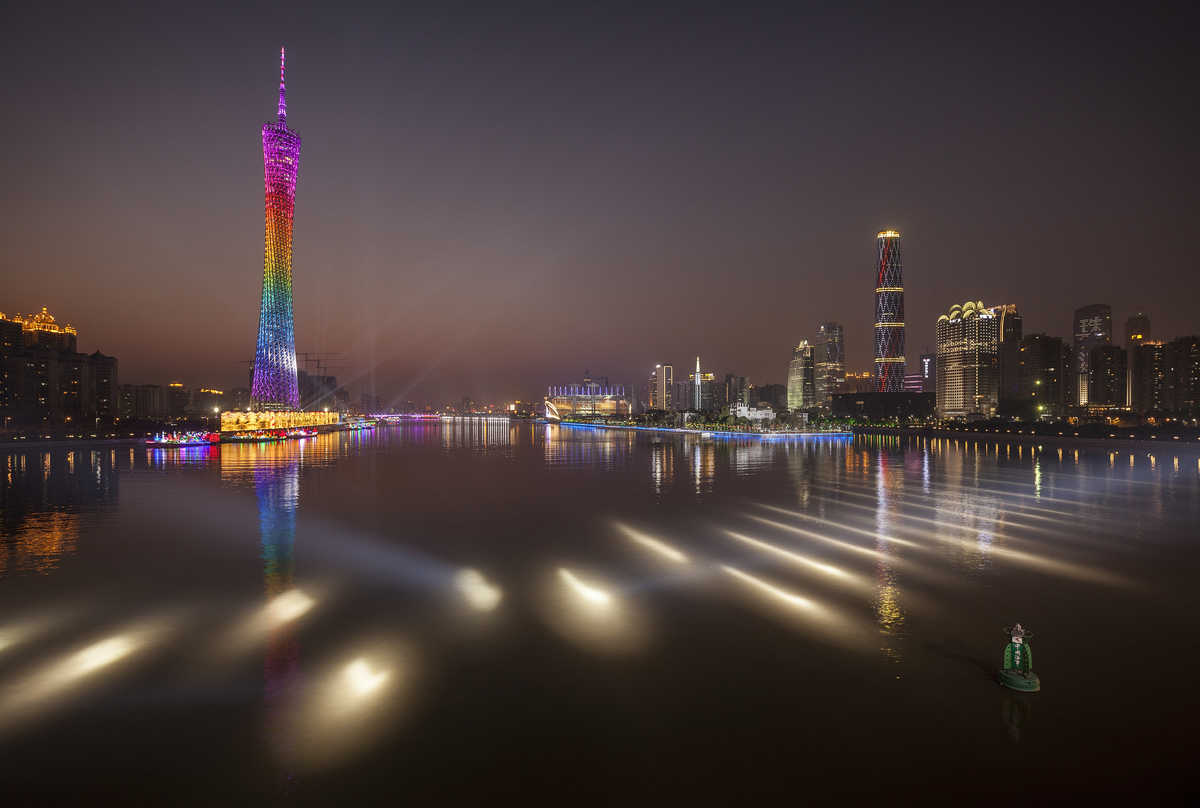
(651, 619)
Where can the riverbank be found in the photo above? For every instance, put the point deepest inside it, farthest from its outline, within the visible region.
(713, 433)
(1119, 441)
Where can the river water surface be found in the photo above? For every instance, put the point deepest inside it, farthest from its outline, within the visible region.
(471, 610)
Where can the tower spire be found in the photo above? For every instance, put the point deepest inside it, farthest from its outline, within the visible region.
(282, 90)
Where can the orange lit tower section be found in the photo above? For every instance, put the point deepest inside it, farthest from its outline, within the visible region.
(889, 313)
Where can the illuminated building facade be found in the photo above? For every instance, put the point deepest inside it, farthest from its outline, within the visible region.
(1093, 328)
(968, 361)
(590, 399)
(889, 313)
(43, 330)
(45, 381)
(274, 385)
(234, 421)
(801, 379)
(662, 384)
(830, 356)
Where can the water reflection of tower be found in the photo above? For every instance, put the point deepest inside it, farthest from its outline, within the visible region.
(888, 610)
(277, 488)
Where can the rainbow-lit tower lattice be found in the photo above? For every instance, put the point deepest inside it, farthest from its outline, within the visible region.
(889, 314)
(274, 386)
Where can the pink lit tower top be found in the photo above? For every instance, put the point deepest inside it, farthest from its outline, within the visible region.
(274, 386)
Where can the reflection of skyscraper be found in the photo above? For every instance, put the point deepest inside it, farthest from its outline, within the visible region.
(830, 357)
(889, 313)
(274, 386)
(1093, 327)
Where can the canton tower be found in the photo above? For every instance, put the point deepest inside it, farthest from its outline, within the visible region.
(889, 314)
(274, 386)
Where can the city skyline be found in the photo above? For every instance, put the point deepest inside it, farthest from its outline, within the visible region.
(420, 241)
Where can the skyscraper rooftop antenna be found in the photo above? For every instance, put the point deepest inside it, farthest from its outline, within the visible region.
(282, 90)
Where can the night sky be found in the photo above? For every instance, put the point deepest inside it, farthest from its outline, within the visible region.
(492, 200)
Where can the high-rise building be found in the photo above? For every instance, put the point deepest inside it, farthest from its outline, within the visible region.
(703, 387)
(1092, 327)
(142, 401)
(1137, 331)
(239, 398)
(275, 386)
(317, 392)
(1044, 363)
(42, 330)
(1010, 355)
(662, 384)
(1106, 376)
(179, 398)
(968, 361)
(928, 369)
(735, 389)
(801, 380)
(1183, 359)
(830, 352)
(1149, 385)
(207, 401)
(772, 395)
(44, 380)
(104, 376)
(889, 313)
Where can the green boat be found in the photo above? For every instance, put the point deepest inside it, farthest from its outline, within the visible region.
(1017, 672)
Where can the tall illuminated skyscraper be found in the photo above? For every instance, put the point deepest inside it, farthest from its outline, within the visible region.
(274, 386)
(1093, 328)
(662, 383)
(889, 313)
(830, 354)
(801, 379)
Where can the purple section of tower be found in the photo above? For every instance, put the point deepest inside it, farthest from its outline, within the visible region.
(889, 314)
(274, 385)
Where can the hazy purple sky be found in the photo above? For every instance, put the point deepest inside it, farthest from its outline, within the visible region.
(490, 201)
